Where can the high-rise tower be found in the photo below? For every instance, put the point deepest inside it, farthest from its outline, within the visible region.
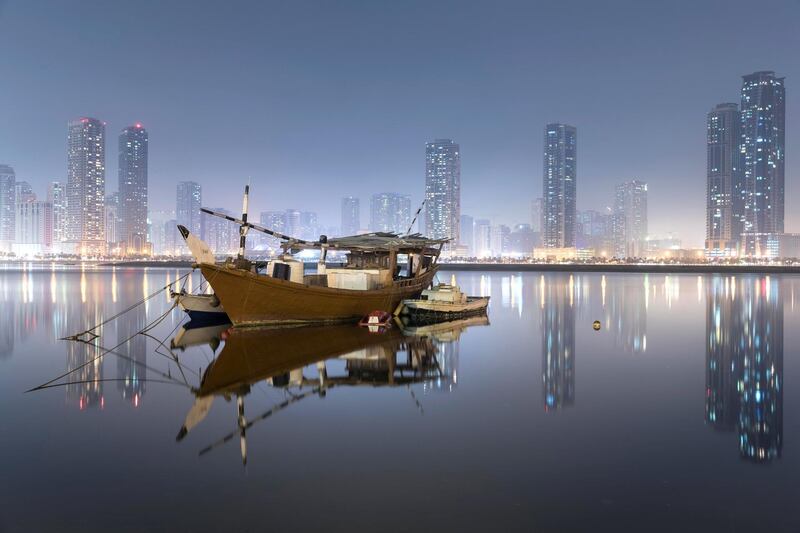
(187, 208)
(724, 193)
(443, 190)
(762, 147)
(86, 186)
(351, 215)
(132, 209)
(559, 186)
(7, 207)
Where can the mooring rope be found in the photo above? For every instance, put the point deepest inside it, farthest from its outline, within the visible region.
(89, 336)
(90, 332)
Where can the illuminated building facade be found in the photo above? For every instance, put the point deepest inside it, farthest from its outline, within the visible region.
(390, 212)
(630, 227)
(276, 221)
(762, 147)
(724, 192)
(34, 228)
(442, 190)
(132, 209)
(467, 228)
(86, 186)
(559, 186)
(56, 195)
(222, 236)
(188, 202)
(351, 216)
(7, 207)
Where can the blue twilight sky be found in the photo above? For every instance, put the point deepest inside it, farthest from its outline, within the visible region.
(317, 100)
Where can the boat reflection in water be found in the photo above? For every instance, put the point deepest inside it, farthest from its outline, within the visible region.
(744, 363)
(297, 360)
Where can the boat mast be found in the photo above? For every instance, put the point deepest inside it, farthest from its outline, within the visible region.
(244, 228)
(408, 231)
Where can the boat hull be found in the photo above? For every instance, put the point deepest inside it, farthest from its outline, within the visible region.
(251, 299)
(430, 308)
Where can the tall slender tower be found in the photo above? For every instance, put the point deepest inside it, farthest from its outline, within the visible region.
(724, 192)
(559, 186)
(630, 210)
(86, 186)
(132, 209)
(56, 195)
(443, 190)
(762, 147)
(7, 207)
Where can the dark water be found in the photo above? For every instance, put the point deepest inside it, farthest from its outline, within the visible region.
(680, 414)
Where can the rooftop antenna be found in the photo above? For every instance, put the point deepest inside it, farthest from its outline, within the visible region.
(408, 231)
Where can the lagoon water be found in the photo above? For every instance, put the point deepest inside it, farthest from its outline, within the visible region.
(681, 413)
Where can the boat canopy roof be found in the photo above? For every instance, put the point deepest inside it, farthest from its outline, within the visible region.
(378, 242)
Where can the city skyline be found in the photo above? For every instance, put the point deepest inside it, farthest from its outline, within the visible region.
(489, 99)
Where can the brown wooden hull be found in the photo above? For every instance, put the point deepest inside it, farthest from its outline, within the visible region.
(250, 299)
(251, 355)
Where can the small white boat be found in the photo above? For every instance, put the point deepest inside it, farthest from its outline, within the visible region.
(192, 335)
(200, 307)
(446, 301)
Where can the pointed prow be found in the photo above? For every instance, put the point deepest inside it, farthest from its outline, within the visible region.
(199, 249)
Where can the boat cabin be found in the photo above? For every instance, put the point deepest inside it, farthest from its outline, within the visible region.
(373, 261)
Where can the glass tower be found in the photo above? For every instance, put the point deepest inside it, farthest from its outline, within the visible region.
(132, 210)
(7, 207)
(86, 186)
(187, 209)
(351, 215)
(559, 186)
(724, 198)
(443, 190)
(762, 149)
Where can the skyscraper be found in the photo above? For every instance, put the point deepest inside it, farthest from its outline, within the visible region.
(187, 208)
(537, 212)
(559, 186)
(56, 195)
(724, 200)
(86, 186)
(468, 233)
(631, 219)
(390, 212)
(483, 238)
(351, 215)
(762, 148)
(23, 192)
(222, 236)
(443, 190)
(7, 207)
(291, 222)
(276, 221)
(34, 227)
(309, 226)
(112, 222)
(132, 208)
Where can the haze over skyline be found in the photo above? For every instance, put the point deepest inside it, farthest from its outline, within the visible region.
(318, 101)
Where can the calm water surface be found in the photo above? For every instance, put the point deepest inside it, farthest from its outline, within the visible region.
(680, 413)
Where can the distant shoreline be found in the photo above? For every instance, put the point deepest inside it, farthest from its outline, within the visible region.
(608, 268)
(553, 267)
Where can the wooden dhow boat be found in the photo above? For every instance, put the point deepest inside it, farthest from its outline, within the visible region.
(381, 270)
